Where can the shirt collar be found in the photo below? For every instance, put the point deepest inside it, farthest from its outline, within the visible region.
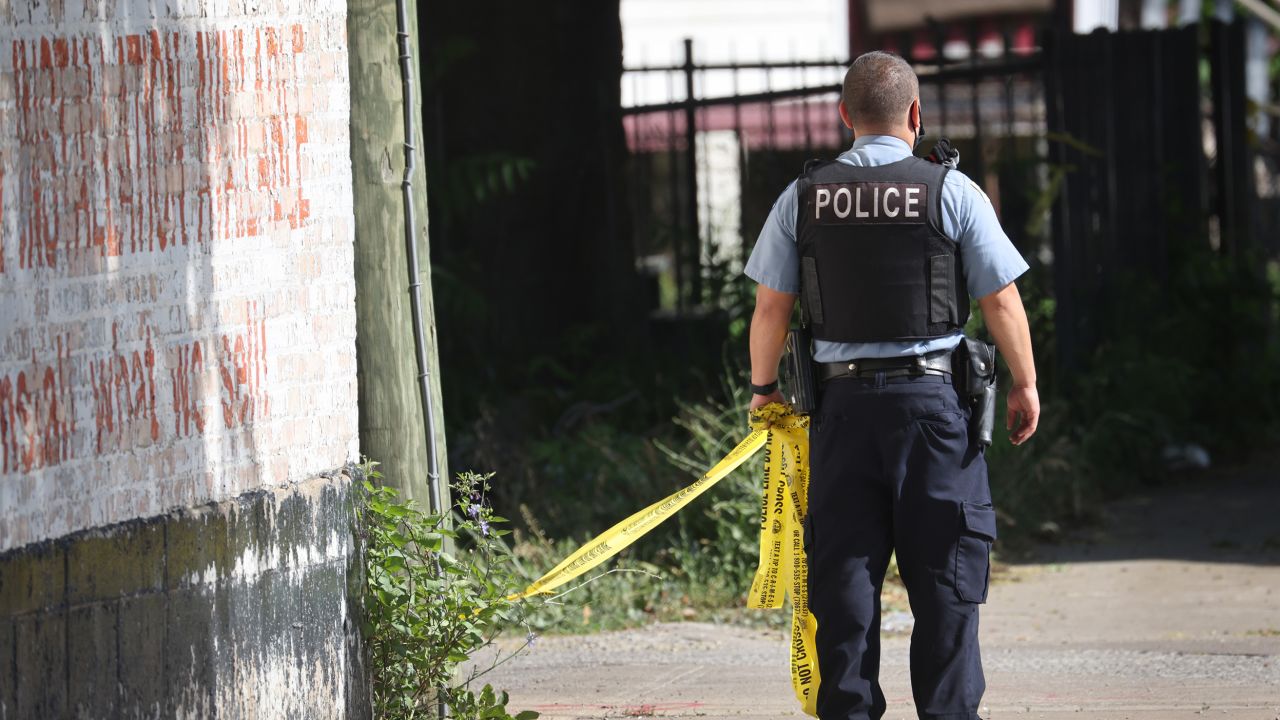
(882, 143)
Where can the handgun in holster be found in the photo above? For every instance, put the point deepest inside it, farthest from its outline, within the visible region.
(974, 372)
(797, 371)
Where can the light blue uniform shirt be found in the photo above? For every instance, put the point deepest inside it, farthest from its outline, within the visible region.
(990, 260)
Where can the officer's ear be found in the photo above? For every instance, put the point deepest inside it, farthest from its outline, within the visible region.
(844, 116)
(913, 116)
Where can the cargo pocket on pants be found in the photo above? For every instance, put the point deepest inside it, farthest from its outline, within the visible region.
(973, 552)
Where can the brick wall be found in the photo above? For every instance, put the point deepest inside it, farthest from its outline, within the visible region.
(176, 291)
(177, 361)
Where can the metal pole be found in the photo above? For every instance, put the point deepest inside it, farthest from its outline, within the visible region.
(975, 108)
(436, 499)
(745, 252)
(411, 243)
(673, 172)
(803, 105)
(939, 46)
(1010, 122)
(694, 248)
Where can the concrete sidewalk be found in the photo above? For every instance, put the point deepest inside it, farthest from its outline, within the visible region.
(1169, 610)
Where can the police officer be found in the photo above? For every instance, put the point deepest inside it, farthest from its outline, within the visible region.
(884, 250)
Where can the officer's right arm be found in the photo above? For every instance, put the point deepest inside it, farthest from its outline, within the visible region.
(775, 265)
(768, 335)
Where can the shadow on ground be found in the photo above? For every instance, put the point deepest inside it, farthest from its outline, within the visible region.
(1227, 515)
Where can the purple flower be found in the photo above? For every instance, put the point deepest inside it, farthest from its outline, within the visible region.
(531, 639)
(484, 528)
(473, 511)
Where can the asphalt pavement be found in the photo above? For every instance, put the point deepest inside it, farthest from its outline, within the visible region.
(1168, 609)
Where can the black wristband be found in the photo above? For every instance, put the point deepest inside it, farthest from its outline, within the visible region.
(766, 389)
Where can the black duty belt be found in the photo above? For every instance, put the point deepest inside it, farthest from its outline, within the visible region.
(934, 363)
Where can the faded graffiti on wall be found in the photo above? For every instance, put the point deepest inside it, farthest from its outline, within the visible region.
(176, 294)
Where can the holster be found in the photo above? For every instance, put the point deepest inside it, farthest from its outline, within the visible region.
(798, 385)
(974, 374)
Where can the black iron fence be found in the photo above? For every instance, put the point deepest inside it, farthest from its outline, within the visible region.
(1155, 161)
(1099, 152)
(713, 144)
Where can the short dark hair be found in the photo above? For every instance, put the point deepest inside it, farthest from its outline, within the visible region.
(879, 88)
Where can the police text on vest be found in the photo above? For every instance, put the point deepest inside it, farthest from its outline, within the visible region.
(869, 202)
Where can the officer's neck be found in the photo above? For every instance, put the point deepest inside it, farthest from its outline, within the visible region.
(902, 133)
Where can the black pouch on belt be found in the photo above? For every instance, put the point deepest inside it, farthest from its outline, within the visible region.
(976, 378)
(797, 372)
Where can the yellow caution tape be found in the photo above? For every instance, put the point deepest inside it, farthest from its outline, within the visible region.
(784, 500)
(783, 503)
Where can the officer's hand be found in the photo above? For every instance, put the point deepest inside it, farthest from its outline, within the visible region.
(759, 401)
(1024, 414)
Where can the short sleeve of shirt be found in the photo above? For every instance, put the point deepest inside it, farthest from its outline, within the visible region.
(990, 259)
(775, 260)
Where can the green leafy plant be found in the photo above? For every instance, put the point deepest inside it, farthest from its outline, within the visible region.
(717, 546)
(431, 608)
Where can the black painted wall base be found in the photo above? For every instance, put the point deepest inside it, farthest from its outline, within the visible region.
(242, 609)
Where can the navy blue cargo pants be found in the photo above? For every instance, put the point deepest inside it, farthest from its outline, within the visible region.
(892, 469)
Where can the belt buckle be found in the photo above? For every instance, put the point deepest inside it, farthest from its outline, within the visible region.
(919, 367)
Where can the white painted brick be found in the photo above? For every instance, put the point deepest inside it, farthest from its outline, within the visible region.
(176, 292)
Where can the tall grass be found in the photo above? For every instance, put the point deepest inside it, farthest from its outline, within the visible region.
(1172, 368)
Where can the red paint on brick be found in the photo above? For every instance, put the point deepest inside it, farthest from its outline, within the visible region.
(8, 425)
(134, 44)
(225, 73)
(37, 414)
(277, 147)
(18, 50)
(242, 367)
(124, 393)
(61, 53)
(2, 212)
(259, 79)
(240, 65)
(104, 186)
(186, 367)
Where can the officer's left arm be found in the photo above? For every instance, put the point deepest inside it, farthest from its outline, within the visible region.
(989, 257)
(991, 265)
(1007, 322)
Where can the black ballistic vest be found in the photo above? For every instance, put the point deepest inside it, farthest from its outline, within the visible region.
(875, 265)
